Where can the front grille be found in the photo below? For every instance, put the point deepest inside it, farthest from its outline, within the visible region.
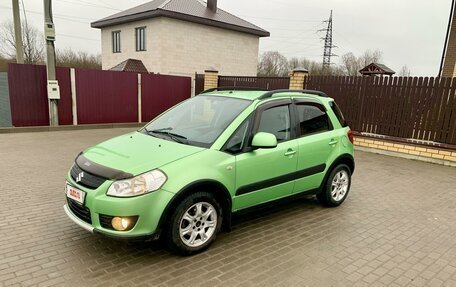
(80, 211)
(87, 180)
(105, 221)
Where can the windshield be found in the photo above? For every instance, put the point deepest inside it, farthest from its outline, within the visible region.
(198, 121)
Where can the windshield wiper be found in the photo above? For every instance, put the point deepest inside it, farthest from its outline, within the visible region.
(175, 137)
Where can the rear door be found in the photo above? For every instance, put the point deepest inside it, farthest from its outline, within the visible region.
(317, 144)
(266, 174)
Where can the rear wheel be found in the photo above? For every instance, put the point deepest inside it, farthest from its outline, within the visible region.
(194, 224)
(337, 186)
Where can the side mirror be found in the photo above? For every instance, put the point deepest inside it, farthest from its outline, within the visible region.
(264, 140)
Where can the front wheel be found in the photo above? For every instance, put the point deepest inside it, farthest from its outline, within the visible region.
(337, 186)
(194, 224)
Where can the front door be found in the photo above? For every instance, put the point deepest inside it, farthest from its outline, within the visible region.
(263, 175)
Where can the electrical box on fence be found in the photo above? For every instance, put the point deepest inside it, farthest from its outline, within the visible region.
(49, 31)
(53, 90)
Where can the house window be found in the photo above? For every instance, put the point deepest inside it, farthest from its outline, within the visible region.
(141, 39)
(116, 42)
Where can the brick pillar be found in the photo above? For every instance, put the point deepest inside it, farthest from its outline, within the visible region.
(297, 77)
(210, 78)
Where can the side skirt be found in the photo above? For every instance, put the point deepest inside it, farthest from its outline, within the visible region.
(276, 202)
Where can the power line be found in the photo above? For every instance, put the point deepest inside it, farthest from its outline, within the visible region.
(59, 16)
(89, 4)
(296, 37)
(78, 37)
(25, 15)
(280, 19)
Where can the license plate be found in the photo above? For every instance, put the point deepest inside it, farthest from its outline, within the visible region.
(75, 194)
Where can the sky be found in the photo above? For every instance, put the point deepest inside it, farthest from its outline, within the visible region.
(408, 32)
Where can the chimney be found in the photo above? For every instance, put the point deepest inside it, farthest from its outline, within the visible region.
(212, 5)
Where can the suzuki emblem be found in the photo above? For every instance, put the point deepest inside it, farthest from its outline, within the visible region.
(80, 176)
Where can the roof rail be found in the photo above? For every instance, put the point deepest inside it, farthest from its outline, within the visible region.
(228, 88)
(312, 92)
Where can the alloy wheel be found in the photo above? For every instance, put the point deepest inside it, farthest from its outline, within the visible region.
(198, 224)
(339, 185)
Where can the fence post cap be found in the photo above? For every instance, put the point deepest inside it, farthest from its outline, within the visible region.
(300, 70)
(211, 70)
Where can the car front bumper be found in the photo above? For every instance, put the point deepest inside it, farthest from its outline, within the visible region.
(149, 208)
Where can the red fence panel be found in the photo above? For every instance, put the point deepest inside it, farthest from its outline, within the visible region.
(106, 96)
(65, 102)
(28, 95)
(160, 92)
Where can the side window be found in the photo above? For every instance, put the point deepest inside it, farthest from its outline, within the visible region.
(140, 39)
(338, 114)
(276, 121)
(116, 42)
(239, 138)
(312, 119)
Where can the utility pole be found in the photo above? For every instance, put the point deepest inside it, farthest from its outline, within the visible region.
(18, 33)
(53, 86)
(327, 53)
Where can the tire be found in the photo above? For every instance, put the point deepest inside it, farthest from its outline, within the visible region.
(194, 224)
(336, 188)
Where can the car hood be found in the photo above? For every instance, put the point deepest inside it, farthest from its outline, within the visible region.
(136, 153)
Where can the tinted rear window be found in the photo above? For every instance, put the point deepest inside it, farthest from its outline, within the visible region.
(312, 119)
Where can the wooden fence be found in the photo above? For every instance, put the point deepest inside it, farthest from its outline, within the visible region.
(404, 107)
(199, 83)
(269, 83)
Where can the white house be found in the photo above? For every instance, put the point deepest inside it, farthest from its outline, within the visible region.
(181, 37)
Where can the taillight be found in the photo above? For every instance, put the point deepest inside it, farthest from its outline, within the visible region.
(350, 136)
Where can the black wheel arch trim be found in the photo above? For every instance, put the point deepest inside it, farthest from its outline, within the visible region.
(339, 160)
(186, 190)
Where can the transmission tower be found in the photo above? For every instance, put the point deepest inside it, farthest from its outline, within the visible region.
(327, 53)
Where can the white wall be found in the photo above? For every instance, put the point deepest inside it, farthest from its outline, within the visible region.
(182, 48)
(150, 57)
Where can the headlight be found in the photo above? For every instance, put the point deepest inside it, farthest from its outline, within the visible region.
(138, 185)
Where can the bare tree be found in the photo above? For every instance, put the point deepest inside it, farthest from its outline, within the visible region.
(404, 72)
(32, 42)
(369, 57)
(4, 64)
(69, 58)
(294, 63)
(273, 64)
(350, 64)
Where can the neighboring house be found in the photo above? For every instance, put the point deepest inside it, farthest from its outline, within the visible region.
(181, 37)
(448, 62)
(376, 69)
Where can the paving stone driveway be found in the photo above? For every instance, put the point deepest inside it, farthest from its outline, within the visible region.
(397, 228)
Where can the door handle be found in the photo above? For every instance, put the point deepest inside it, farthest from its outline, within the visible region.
(333, 142)
(289, 152)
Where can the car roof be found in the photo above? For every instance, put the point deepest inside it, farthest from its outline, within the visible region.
(256, 94)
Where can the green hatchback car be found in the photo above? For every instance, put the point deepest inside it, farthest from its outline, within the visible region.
(183, 175)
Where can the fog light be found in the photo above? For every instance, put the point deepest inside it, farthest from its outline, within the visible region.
(123, 223)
